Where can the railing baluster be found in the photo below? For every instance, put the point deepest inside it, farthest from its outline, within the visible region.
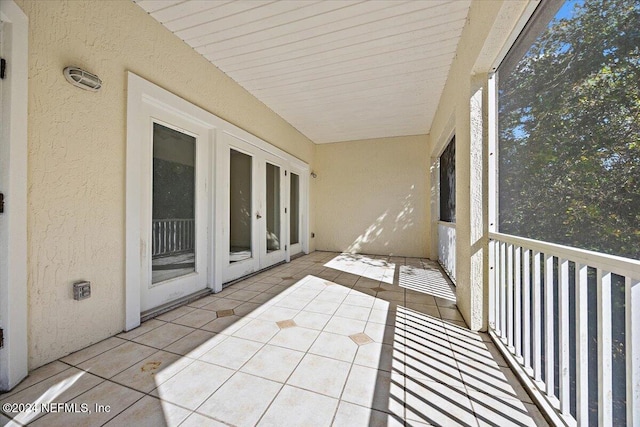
(537, 317)
(503, 290)
(179, 235)
(510, 319)
(526, 306)
(517, 327)
(492, 286)
(563, 315)
(153, 238)
(582, 345)
(184, 235)
(172, 236)
(192, 234)
(632, 332)
(496, 287)
(605, 392)
(166, 236)
(549, 329)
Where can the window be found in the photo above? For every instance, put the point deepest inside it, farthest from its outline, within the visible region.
(448, 183)
(569, 128)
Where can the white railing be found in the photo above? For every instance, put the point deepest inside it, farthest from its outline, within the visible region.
(171, 236)
(531, 301)
(447, 247)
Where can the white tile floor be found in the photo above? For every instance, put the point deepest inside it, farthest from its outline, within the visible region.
(327, 339)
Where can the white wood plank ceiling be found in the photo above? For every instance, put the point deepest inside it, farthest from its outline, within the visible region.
(337, 70)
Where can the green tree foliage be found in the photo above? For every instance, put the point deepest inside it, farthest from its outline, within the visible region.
(569, 129)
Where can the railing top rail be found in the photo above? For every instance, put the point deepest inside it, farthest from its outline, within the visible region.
(615, 264)
(447, 224)
(174, 219)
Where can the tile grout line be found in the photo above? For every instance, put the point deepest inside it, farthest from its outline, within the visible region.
(274, 273)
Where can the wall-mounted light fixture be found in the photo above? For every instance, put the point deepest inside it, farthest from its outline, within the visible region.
(82, 79)
(313, 175)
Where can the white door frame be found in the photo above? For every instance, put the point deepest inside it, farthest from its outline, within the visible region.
(13, 179)
(141, 92)
(244, 140)
(225, 144)
(260, 157)
(142, 95)
(267, 258)
(154, 295)
(303, 198)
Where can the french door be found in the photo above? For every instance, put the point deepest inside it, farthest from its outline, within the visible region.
(252, 208)
(207, 202)
(175, 207)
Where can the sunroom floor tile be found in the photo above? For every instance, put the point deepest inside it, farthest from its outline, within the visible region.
(328, 339)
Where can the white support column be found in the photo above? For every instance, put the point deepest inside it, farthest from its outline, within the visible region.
(471, 213)
(605, 391)
(582, 346)
(434, 208)
(491, 198)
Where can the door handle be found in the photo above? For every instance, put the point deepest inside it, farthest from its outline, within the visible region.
(258, 216)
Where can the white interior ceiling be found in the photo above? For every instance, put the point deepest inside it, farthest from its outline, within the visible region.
(337, 70)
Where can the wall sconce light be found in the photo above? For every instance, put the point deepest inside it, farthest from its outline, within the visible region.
(82, 79)
(313, 175)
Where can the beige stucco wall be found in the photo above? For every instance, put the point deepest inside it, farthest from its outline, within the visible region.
(372, 196)
(76, 163)
(463, 111)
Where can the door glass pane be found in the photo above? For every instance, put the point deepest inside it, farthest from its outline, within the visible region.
(294, 223)
(273, 208)
(173, 216)
(240, 207)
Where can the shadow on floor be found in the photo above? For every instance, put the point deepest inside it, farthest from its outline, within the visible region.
(328, 339)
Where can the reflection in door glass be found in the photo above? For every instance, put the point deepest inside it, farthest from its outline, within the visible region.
(173, 216)
(240, 207)
(273, 208)
(294, 198)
